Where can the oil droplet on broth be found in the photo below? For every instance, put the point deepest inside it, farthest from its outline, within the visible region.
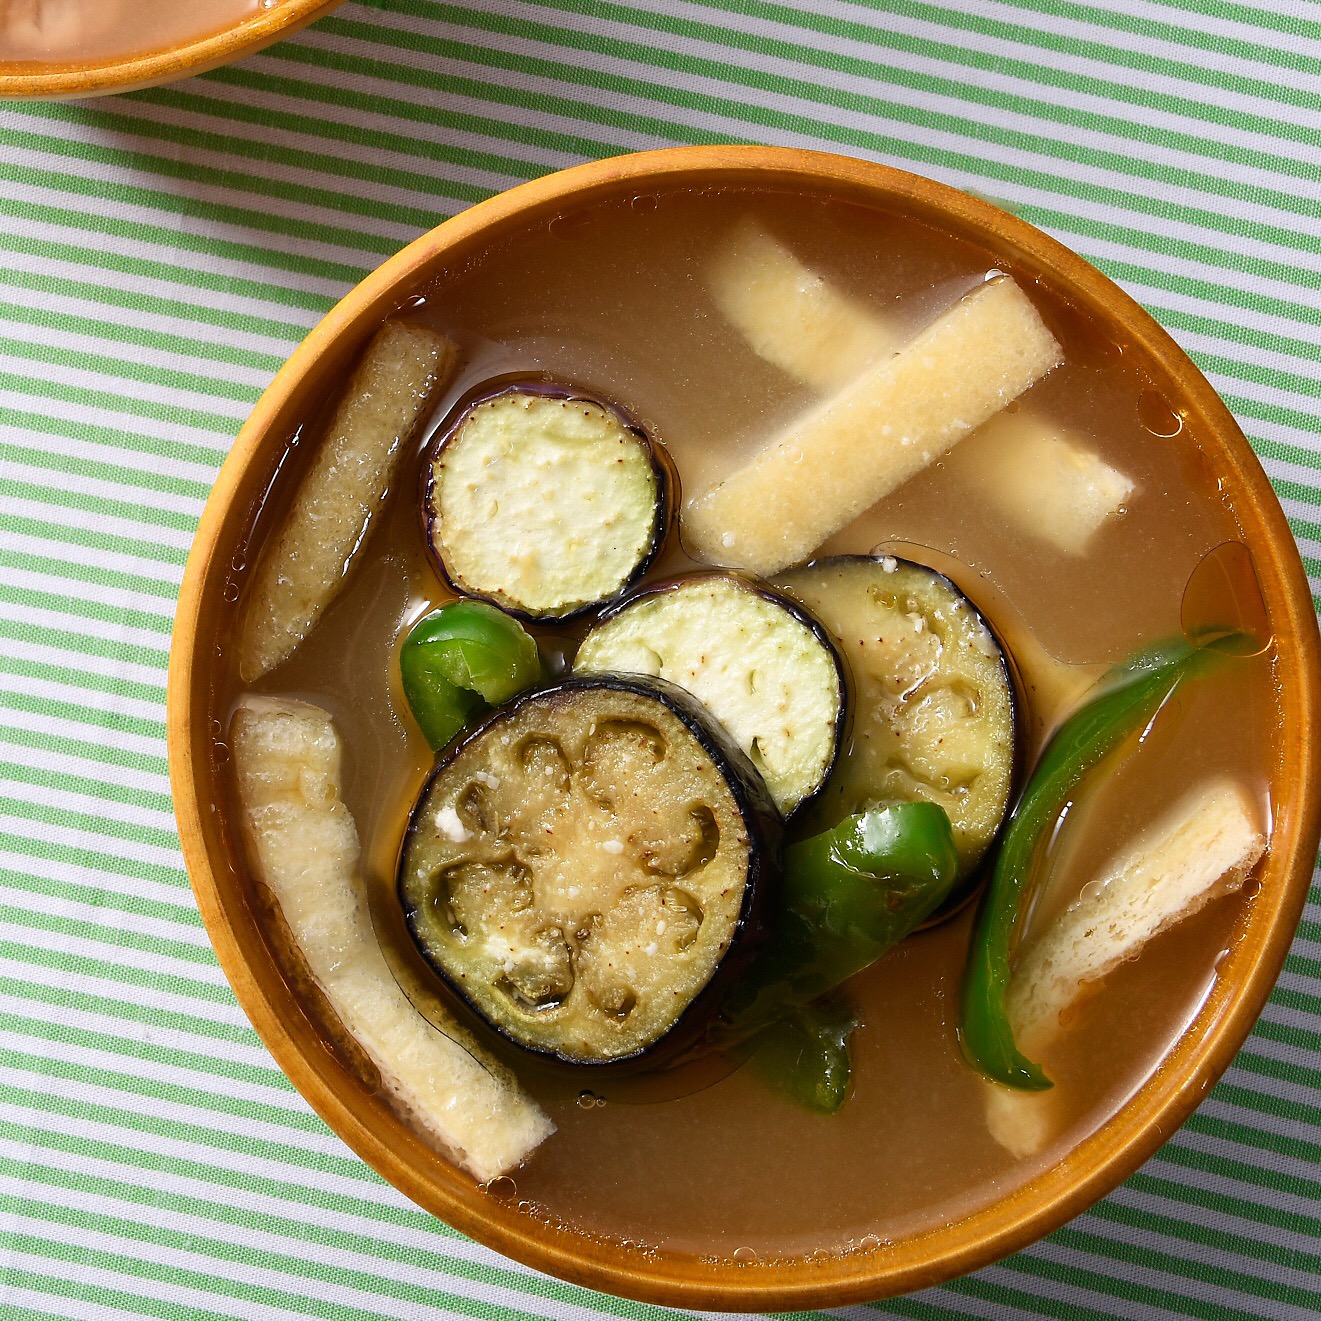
(745, 1256)
(502, 1187)
(590, 1100)
(869, 1243)
(1156, 415)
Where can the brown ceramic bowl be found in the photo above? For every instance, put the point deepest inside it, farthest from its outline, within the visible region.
(69, 81)
(367, 1124)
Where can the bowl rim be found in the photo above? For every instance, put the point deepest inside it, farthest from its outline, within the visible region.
(31, 80)
(1055, 1195)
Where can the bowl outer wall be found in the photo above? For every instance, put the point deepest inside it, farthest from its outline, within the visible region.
(71, 82)
(385, 1141)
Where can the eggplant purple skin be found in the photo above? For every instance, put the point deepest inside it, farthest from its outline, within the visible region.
(662, 467)
(765, 830)
(965, 892)
(847, 691)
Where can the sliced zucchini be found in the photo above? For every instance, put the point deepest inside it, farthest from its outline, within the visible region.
(762, 666)
(544, 502)
(582, 866)
(933, 710)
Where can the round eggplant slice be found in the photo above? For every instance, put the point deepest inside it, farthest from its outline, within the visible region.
(759, 663)
(544, 503)
(588, 865)
(933, 713)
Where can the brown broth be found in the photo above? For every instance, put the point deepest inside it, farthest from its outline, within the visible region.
(612, 299)
(91, 31)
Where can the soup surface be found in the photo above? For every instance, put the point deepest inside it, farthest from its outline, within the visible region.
(90, 31)
(614, 299)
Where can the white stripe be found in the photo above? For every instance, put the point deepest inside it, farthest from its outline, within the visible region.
(125, 390)
(1269, 396)
(1174, 1286)
(106, 525)
(1260, 1158)
(65, 339)
(1197, 1254)
(385, 1265)
(76, 730)
(129, 323)
(56, 478)
(318, 152)
(278, 1094)
(116, 994)
(1244, 318)
(171, 1291)
(72, 908)
(114, 561)
(438, 130)
(76, 695)
(975, 151)
(294, 1209)
(201, 1118)
(1131, 146)
(115, 955)
(84, 768)
(288, 238)
(94, 842)
(112, 1029)
(100, 882)
(86, 663)
(960, 74)
(89, 805)
(117, 455)
(1197, 91)
(1282, 469)
(173, 289)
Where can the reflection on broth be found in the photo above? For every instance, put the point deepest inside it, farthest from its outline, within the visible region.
(620, 299)
(90, 31)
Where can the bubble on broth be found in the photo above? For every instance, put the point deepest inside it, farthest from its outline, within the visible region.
(1156, 414)
(1224, 596)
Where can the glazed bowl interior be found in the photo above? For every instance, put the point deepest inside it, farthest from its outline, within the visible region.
(201, 775)
(74, 79)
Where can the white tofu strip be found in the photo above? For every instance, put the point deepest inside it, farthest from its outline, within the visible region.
(838, 460)
(287, 756)
(1204, 847)
(1045, 479)
(305, 563)
(789, 315)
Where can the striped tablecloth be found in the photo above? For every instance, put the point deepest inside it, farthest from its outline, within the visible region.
(163, 253)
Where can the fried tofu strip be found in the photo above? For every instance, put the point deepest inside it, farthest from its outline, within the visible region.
(1046, 479)
(1204, 847)
(789, 315)
(838, 460)
(287, 756)
(307, 559)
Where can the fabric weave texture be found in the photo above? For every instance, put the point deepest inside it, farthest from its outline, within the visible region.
(162, 253)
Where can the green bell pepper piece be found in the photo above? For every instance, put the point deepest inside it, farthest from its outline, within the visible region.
(806, 1056)
(459, 661)
(1130, 696)
(849, 894)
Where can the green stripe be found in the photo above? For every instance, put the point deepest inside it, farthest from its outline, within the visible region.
(114, 332)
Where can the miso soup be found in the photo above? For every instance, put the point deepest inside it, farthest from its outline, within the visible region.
(615, 299)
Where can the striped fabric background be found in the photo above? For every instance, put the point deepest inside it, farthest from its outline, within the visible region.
(162, 253)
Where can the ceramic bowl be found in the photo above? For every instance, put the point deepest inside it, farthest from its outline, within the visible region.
(367, 1124)
(71, 81)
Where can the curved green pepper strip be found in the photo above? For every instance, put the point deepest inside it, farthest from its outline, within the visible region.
(806, 1056)
(849, 894)
(460, 660)
(1131, 695)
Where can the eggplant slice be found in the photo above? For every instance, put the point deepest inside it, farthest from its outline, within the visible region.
(582, 866)
(544, 503)
(933, 714)
(759, 663)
